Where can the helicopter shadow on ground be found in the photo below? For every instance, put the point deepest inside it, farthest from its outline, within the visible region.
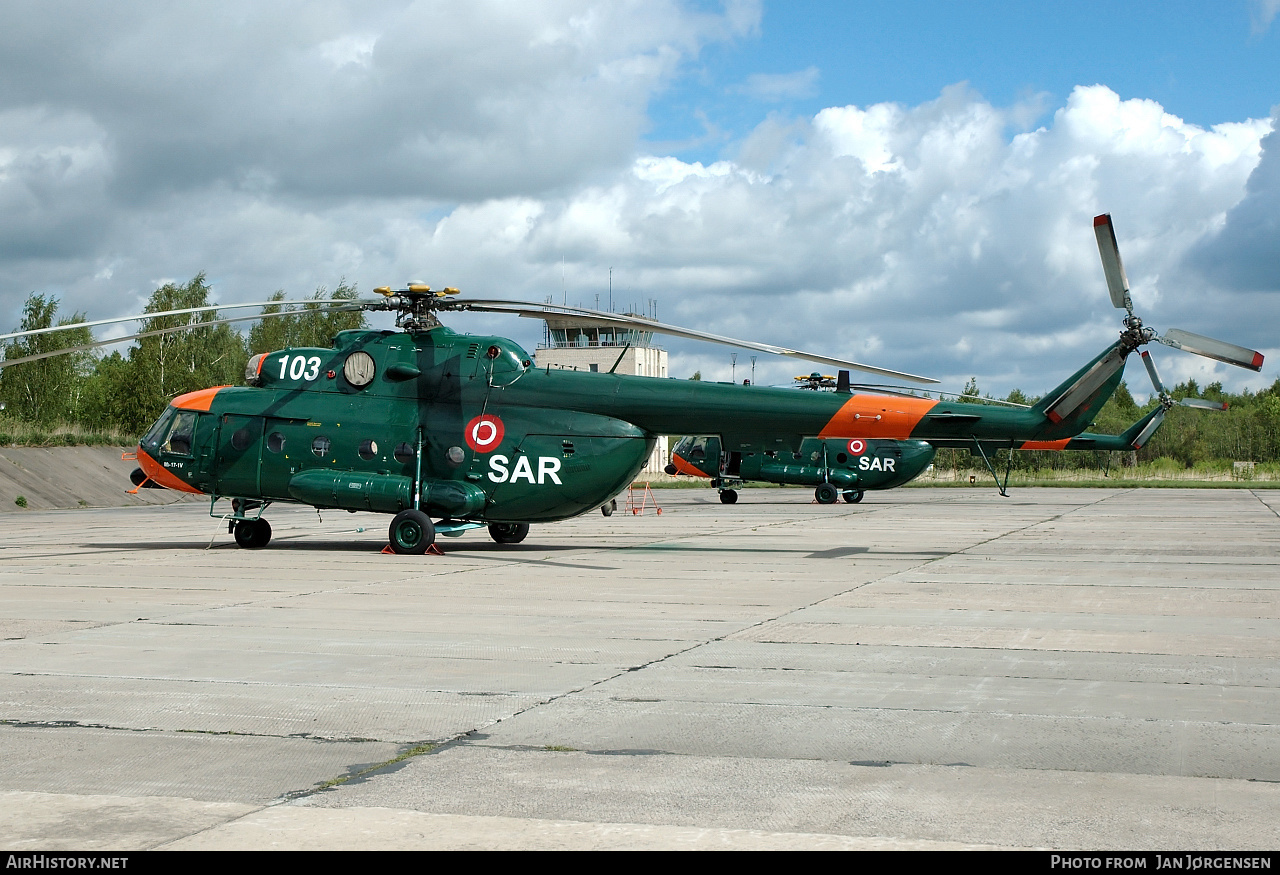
(503, 552)
(310, 544)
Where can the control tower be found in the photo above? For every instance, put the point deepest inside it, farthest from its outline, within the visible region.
(580, 343)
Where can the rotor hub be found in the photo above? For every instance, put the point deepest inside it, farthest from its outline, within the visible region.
(1134, 335)
(415, 305)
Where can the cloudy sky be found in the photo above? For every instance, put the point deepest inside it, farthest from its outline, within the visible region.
(910, 184)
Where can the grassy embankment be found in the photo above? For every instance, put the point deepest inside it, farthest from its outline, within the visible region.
(16, 433)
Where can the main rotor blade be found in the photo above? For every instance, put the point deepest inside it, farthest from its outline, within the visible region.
(1151, 371)
(142, 316)
(542, 312)
(1214, 349)
(88, 346)
(1117, 282)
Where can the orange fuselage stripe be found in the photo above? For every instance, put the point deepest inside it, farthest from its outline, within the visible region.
(877, 416)
(162, 475)
(1045, 445)
(201, 399)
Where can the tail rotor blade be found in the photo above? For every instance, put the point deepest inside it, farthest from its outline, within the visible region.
(1145, 435)
(1214, 349)
(1117, 282)
(1151, 371)
(1202, 404)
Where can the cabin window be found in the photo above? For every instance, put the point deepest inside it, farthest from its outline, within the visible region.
(368, 450)
(320, 446)
(841, 458)
(275, 442)
(404, 453)
(241, 438)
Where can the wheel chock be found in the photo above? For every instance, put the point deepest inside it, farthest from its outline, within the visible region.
(433, 550)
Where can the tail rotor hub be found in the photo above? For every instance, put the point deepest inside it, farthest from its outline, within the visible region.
(1134, 335)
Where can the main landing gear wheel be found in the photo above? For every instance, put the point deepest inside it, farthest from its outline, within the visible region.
(826, 493)
(729, 496)
(609, 508)
(853, 496)
(411, 532)
(509, 533)
(253, 534)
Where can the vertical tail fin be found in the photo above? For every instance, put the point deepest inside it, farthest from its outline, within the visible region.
(1073, 404)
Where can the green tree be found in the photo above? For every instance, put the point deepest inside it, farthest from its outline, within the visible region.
(107, 391)
(1120, 412)
(971, 393)
(49, 390)
(163, 366)
(1017, 396)
(314, 325)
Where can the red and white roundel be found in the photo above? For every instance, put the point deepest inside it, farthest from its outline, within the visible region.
(484, 433)
(857, 446)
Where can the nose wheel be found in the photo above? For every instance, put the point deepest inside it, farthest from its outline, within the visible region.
(853, 496)
(508, 533)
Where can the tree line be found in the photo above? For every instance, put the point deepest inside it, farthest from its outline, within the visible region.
(1247, 431)
(125, 392)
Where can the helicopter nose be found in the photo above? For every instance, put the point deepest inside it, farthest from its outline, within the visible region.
(162, 476)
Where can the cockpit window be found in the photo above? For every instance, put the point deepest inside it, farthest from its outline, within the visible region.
(181, 435)
(697, 448)
(151, 440)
